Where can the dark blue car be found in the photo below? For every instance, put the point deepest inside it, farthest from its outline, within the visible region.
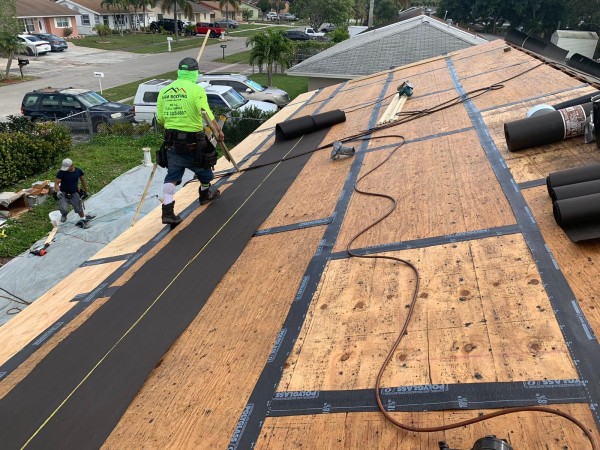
(57, 44)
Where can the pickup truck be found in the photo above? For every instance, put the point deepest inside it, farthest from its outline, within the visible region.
(212, 29)
(312, 33)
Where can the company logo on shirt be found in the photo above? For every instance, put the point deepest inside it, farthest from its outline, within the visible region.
(175, 92)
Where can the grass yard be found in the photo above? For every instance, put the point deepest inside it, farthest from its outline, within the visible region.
(142, 42)
(102, 159)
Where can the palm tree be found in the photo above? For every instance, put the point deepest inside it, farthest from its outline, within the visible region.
(234, 3)
(269, 48)
(9, 47)
(183, 5)
(113, 5)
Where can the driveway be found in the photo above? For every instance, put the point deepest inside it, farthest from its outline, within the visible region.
(75, 67)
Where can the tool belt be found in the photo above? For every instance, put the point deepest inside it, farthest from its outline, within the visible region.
(195, 143)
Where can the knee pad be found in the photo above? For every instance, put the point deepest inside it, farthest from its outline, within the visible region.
(168, 193)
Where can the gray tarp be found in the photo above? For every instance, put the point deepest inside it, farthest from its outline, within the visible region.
(29, 276)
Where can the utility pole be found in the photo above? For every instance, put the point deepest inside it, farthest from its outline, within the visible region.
(371, 9)
(176, 23)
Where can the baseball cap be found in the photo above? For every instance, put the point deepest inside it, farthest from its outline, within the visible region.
(66, 164)
(188, 64)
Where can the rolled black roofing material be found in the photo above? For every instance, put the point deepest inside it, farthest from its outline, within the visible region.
(546, 128)
(576, 101)
(535, 45)
(575, 175)
(579, 217)
(575, 190)
(584, 64)
(307, 124)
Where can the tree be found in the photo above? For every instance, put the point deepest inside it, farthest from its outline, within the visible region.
(264, 6)
(8, 16)
(234, 3)
(182, 5)
(318, 12)
(386, 11)
(113, 5)
(270, 48)
(9, 47)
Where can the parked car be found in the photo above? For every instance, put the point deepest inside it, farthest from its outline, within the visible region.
(312, 33)
(296, 35)
(53, 104)
(213, 29)
(327, 28)
(287, 16)
(34, 45)
(167, 25)
(222, 97)
(272, 16)
(249, 89)
(57, 44)
(229, 23)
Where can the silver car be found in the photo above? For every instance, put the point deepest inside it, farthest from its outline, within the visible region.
(249, 89)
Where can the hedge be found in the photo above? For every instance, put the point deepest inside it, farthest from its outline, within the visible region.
(27, 149)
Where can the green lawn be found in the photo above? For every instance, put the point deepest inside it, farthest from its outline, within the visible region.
(142, 42)
(103, 159)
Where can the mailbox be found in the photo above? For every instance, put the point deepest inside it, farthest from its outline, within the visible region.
(22, 62)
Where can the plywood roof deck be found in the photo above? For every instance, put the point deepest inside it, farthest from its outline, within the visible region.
(285, 352)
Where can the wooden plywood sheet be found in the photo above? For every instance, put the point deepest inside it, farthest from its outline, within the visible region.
(477, 319)
(371, 431)
(314, 193)
(459, 182)
(193, 397)
(579, 262)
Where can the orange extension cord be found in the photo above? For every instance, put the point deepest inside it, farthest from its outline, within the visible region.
(404, 329)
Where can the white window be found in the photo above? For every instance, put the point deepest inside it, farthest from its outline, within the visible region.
(85, 19)
(105, 20)
(27, 25)
(62, 22)
(96, 19)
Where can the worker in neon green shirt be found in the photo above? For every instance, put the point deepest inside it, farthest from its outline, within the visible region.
(179, 110)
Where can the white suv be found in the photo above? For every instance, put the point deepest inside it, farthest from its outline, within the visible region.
(249, 89)
(222, 97)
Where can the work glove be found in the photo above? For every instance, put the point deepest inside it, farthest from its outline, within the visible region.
(83, 194)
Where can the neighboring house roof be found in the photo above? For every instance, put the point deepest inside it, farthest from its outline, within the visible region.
(199, 8)
(394, 45)
(215, 6)
(94, 6)
(572, 34)
(41, 8)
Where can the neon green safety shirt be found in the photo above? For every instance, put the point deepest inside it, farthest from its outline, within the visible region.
(180, 104)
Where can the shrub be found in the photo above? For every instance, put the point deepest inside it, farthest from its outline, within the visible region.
(102, 30)
(27, 149)
(67, 31)
(240, 125)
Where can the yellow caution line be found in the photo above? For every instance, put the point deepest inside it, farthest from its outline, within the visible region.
(154, 302)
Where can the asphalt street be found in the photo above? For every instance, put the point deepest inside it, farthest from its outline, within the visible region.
(75, 67)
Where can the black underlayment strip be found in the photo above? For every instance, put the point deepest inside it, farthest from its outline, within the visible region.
(295, 226)
(103, 289)
(578, 335)
(75, 396)
(256, 410)
(433, 241)
(431, 397)
(109, 259)
(532, 184)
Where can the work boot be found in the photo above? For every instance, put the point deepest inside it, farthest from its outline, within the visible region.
(168, 215)
(206, 195)
(63, 218)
